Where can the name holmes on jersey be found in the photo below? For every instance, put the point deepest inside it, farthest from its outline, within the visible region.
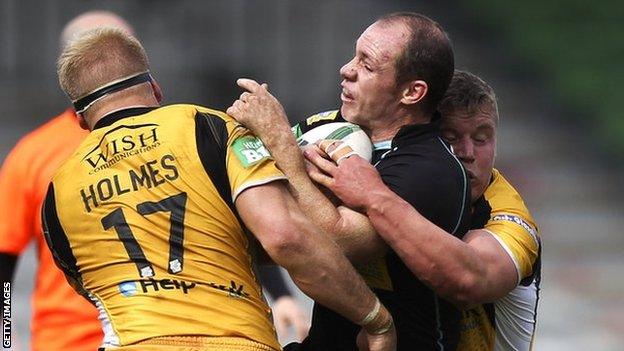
(148, 174)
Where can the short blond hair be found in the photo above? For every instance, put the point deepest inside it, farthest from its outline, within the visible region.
(468, 95)
(98, 57)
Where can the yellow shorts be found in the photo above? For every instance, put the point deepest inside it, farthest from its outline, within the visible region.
(194, 343)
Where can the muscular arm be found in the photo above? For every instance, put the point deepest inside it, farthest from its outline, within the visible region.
(468, 272)
(312, 259)
(263, 114)
(351, 230)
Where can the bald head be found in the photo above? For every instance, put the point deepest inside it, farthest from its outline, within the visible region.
(427, 56)
(91, 20)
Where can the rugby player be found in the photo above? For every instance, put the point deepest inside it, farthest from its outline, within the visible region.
(402, 66)
(506, 319)
(146, 218)
(494, 272)
(63, 320)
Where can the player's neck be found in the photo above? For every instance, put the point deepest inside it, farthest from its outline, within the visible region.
(113, 105)
(388, 128)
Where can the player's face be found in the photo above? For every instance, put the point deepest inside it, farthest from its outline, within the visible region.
(474, 141)
(369, 91)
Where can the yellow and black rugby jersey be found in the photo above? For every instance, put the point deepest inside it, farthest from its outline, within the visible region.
(508, 323)
(141, 220)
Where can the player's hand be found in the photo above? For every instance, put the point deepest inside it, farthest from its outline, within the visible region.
(314, 171)
(311, 168)
(287, 313)
(352, 181)
(381, 342)
(259, 111)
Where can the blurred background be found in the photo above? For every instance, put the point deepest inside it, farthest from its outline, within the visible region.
(556, 68)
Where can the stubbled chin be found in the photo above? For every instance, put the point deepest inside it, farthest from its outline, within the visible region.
(345, 112)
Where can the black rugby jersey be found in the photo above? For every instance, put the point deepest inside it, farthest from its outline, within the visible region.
(420, 167)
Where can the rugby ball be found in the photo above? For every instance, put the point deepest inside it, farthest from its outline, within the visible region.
(351, 134)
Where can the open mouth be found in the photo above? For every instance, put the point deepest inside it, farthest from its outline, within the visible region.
(345, 95)
(345, 98)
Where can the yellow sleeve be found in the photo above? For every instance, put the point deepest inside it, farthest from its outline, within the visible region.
(248, 162)
(518, 237)
(512, 224)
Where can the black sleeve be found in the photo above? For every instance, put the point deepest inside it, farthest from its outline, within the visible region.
(7, 266)
(273, 281)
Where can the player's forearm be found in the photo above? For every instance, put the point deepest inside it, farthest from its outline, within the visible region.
(353, 232)
(311, 257)
(357, 238)
(446, 264)
(284, 149)
(321, 271)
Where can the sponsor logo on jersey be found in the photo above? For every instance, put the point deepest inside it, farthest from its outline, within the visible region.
(133, 287)
(519, 221)
(128, 289)
(112, 149)
(233, 290)
(250, 150)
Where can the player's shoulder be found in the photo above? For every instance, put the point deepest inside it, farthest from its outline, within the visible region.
(500, 189)
(191, 110)
(316, 120)
(181, 118)
(505, 200)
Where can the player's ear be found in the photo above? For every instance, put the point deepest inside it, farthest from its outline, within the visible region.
(158, 94)
(413, 92)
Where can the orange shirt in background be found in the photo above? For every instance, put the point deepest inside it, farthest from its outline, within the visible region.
(62, 319)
